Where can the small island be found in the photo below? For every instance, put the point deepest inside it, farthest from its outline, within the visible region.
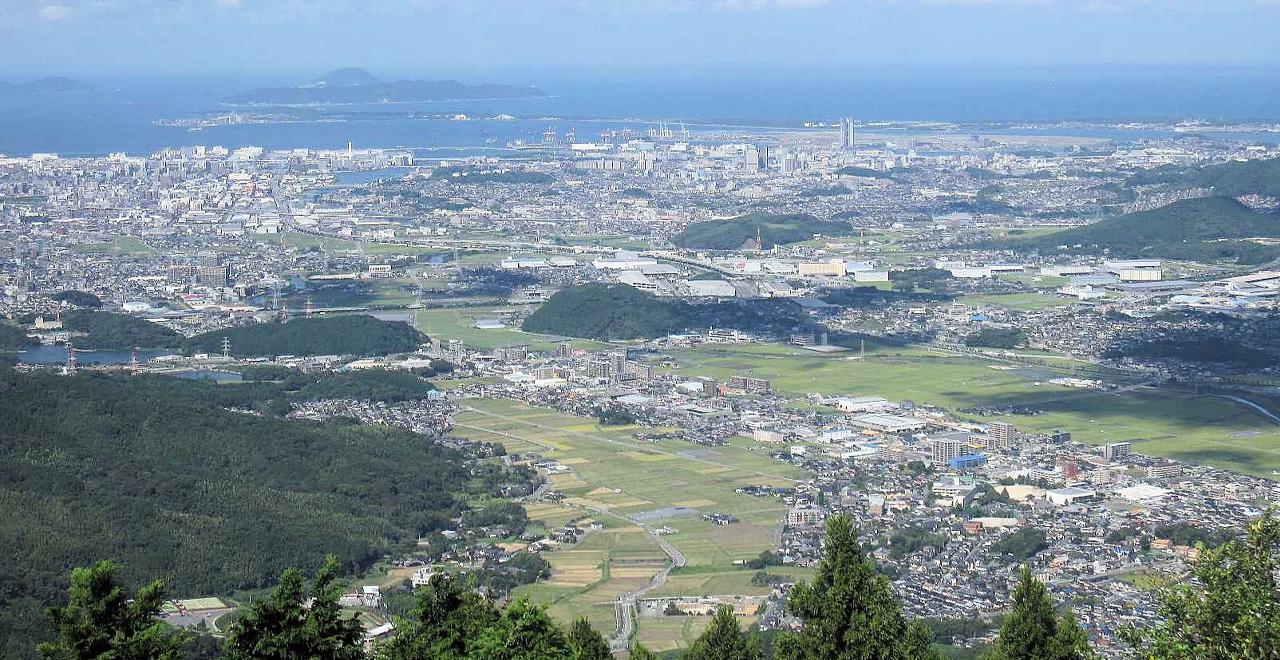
(48, 85)
(354, 85)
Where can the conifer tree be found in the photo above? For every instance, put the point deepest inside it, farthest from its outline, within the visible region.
(1033, 631)
(103, 622)
(850, 612)
(586, 643)
(523, 632)
(724, 640)
(297, 622)
(639, 652)
(445, 619)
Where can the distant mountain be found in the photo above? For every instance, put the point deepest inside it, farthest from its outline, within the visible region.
(45, 86)
(744, 231)
(352, 85)
(349, 77)
(1208, 229)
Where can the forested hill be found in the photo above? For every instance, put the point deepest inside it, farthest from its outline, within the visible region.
(1202, 229)
(771, 228)
(1231, 179)
(602, 311)
(618, 311)
(111, 330)
(324, 335)
(147, 472)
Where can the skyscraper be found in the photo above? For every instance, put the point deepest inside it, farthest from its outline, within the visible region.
(846, 133)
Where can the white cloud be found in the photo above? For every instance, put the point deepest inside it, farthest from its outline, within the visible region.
(54, 12)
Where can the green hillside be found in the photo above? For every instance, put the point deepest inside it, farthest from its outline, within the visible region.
(772, 228)
(1206, 229)
(150, 473)
(325, 335)
(618, 311)
(110, 330)
(1233, 179)
(607, 311)
(13, 338)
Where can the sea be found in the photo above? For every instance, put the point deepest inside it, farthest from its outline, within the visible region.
(121, 114)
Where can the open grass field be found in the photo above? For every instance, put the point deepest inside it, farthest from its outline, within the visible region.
(953, 382)
(615, 477)
(1195, 428)
(1160, 422)
(123, 245)
(300, 240)
(1017, 301)
(459, 323)
(372, 293)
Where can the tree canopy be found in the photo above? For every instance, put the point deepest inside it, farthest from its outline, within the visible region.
(849, 611)
(1231, 611)
(1033, 631)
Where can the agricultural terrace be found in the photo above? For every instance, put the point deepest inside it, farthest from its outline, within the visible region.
(622, 482)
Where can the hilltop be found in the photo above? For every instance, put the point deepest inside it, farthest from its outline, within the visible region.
(1200, 229)
(354, 85)
(1232, 179)
(771, 228)
(619, 311)
(607, 311)
(324, 335)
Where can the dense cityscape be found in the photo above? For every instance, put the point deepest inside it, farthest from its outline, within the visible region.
(870, 319)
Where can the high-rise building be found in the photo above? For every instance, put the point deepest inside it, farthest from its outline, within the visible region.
(1002, 434)
(750, 159)
(942, 450)
(565, 350)
(1114, 450)
(846, 133)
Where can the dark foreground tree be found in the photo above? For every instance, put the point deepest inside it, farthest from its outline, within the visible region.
(297, 622)
(586, 643)
(639, 652)
(849, 611)
(1234, 612)
(724, 640)
(523, 632)
(103, 622)
(1033, 631)
(446, 618)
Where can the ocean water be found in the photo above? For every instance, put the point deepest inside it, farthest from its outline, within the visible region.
(120, 115)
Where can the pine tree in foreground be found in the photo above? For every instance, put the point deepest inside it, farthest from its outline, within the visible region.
(850, 612)
(445, 619)
(724, 640)
(1033, 631)
(586, 643)
(297, 622)
(1234, 612)
(103, 622)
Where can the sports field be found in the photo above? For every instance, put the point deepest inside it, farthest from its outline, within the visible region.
(616, 478)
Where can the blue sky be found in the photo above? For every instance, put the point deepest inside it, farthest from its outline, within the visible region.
(511, 40)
